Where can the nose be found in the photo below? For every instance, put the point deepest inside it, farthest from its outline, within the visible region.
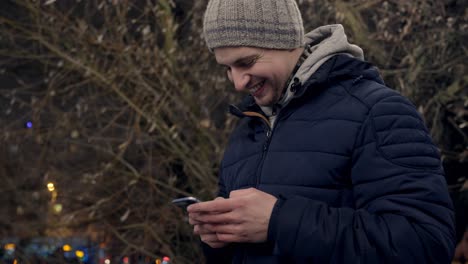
(239, 78)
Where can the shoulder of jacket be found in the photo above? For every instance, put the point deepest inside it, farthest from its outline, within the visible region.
(399, 129)
(371, 92)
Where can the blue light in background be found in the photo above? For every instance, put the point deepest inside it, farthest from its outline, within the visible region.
(29, 124)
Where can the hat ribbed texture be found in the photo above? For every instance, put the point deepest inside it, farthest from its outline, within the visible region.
(275, 24)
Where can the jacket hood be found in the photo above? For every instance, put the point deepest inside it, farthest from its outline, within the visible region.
(321, 44)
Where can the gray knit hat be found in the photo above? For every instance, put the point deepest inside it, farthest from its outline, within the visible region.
(275, 24)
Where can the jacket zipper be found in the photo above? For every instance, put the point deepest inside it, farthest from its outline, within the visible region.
(266, 145)
(294, 86)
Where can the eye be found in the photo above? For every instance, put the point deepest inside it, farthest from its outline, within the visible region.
(248, 63)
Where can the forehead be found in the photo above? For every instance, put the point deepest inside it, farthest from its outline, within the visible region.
(229, 55)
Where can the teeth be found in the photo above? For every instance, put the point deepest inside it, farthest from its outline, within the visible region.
(256, 87)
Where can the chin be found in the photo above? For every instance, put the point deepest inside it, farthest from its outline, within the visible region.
(264, 102)
(261, 103)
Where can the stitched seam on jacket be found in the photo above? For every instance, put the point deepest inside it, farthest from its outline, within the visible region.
(309, 151)
(395, 175)
(358, 134)
(242, 159)
(402, 128)
(371, 119)
(395, 115)
(404, 102)
(323, 119)
(404, 143)
(384, 154)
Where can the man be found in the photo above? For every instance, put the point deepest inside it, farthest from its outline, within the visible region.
(327, 164)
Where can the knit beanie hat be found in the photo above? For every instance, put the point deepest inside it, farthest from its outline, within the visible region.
(275, 24)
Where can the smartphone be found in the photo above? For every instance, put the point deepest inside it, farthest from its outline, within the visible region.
(185, 201)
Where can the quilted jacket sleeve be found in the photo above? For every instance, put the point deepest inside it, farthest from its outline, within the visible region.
(402, 212)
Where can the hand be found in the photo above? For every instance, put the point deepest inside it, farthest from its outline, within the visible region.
(461, 251)
(244, 217)
(207, 236)
(204, 231)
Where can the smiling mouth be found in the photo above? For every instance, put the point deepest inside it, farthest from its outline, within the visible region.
(257, 89)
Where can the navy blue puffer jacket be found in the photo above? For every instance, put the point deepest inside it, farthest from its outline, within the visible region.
(356, 173)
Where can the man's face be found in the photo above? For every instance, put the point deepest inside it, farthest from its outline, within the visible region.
(261, 72)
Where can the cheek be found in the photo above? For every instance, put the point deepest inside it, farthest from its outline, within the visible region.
(274, 72)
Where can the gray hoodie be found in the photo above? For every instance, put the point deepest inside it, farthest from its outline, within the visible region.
(320, 45)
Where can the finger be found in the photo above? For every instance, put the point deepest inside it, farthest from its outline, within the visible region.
(231, 238)
(228, 229)
(200, 230)
(192, 220)
(204, 229)
(196, 230)
(215, 206)
(229, 218)
(209, 238)
(217, 244)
